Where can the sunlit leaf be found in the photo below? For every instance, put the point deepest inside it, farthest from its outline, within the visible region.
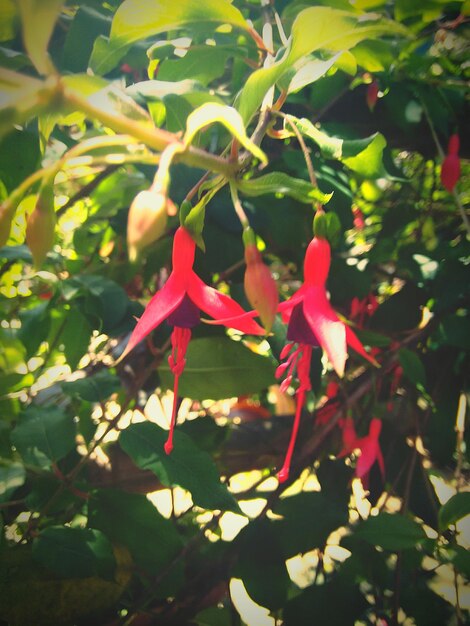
(133, 22)
(281, 183)
(218, 367)
(315, 28)
(187, 466)
(38, 18)
(227, 116)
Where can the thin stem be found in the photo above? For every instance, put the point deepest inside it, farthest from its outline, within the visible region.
(239, 210)
(303, 147)
(155, 138)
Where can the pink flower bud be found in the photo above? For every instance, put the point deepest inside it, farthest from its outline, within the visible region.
(260, 286)
(147, 221)
(40, 227)
(372, 94)
(450, 171)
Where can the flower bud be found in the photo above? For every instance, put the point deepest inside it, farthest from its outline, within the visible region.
(260, 286)
(372, 94)
(147, 220)
(450, 171)
(40, 227)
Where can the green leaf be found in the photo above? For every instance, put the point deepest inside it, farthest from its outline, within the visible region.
(315, 28)
(218, 368)
(229, 117)
(11, 477)
(132, 520)
(261, 564)
(75, 336)
(306, 72)
(74, 552)
(412, 365)
(38, 18)
(198, 64)
(87, 25)
(21, 97)
(187, 466)
(454, 510)
(281, 183)
(309, 519)
(391, 532)
(93, 388)
(368, 162)
(46, 429)
(133, 22)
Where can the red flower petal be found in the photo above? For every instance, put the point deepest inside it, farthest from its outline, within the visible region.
(221, 307)
(328, 329)
(353, 341)
(163, 303)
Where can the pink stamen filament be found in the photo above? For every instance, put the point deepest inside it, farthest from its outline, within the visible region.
(180, 339)
(300, 358)
(283, 473)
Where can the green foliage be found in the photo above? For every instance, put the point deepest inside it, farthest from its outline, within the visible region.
(292, 106)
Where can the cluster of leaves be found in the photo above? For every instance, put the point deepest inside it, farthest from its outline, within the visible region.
(91, 94)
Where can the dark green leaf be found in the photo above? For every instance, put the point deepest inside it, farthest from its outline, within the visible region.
(454, 509)
(74, 552)
(412, 365)
(309, 519)
(11, 477)
(218, 367)
(261, 565)
(391, 532)
(46, 429)
(131, 519)
(75, 336)
(187, 466)
(94, 388)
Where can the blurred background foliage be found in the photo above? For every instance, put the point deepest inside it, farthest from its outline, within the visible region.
(101, 527)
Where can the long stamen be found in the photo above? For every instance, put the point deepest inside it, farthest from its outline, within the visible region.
(300, 358)
(180, 339)
(283, 473)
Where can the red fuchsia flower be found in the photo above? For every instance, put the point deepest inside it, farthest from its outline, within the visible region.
(179, 302)
(450, 170)
(368, 447)
(312, 323)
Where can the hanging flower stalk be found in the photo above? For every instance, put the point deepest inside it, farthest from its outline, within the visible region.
(179, 302)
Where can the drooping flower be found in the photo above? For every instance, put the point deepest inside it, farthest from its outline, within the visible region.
(450, 170)
(312, 323)
(368, 447)
(179, 302)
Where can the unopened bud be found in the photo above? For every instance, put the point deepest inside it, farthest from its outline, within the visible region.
(450, 171)
(40, 227)
(148, 215)
(260, 286)
(372, 94)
